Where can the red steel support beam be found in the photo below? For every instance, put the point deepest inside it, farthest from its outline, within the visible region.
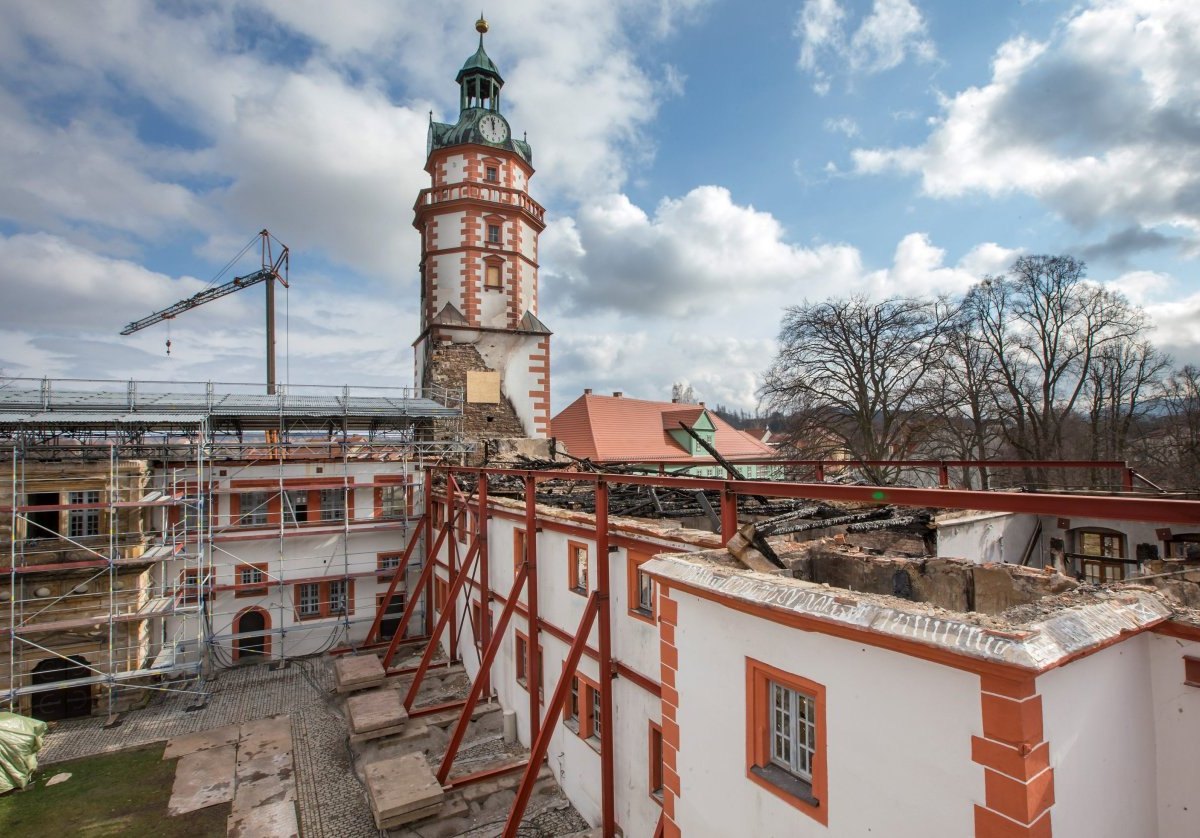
(444, 617)
(489, 656)
(485, 595)
(540, 745)
(943, 475)
(532, 663)
(373, 634)
(1110, 507)
(608, 804)
(452, 520)
(429, 554)
(410, 607)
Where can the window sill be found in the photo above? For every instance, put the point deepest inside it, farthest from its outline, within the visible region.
(593, 742)
(657, 796)
(249, 592)
(578, 590)
(572, 725)
(644, 615)
(786, 783)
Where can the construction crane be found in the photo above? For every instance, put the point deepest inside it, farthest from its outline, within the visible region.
(269, 273)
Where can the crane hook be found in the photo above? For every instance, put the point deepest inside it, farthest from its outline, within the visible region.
(168, 338)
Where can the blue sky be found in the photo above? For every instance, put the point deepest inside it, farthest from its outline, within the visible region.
(703, 164)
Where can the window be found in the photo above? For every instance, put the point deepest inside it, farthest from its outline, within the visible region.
(441, 592)
(493, 234)
(338, 602)
(333, 504)
(460, 522)
(492, 277)
(251, 580)
(387, 563)
(577, 566)
(1191, 671)
(319, 600)
(83, 522)
(518, 549)
(42, 523)
(477, 615)
(785, 737)
(308, 600)
(1109, 545)
(253, 509)
(492, 174)
(394, 501)
(596, 719)
(656, 762)
(522, 662)
(295, 507)
(571, 711)
(1183, 547)
(641, 588)
(189, 587)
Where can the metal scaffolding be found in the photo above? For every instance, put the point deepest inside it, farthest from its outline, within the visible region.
(115, 582)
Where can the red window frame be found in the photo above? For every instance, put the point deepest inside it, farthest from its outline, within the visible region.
(248, 589)
(573, 581)
(324, 600)
(633, 562)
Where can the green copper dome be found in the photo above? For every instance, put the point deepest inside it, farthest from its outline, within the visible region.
(479, 63)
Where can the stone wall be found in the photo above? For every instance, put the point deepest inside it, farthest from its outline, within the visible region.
(448, 367)
(947, 583)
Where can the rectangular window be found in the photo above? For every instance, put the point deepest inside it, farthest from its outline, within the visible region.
(785, 737)
(333, 504)
(571, 713)
(83, 522)
(1100, 572)
(494, 234)
(656, 762)
(641, 588)
(319, 600)
(1109, 545)
(597, 720)
(295, 507)
(393, 501)
(252, 509)
(492, 277)
(309, 600)
(189, 587)
(387, 563)
(338, 600)
(492, 174)
(577, 566)
(521, 650)
(42, 523)
(251, 580)
(1191, 671)
(518, 549)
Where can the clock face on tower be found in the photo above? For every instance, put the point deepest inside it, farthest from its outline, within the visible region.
(493, 128)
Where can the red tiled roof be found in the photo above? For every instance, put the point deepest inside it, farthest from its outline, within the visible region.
(609, 429)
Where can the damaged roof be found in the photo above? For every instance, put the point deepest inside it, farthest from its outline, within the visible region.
(1060, 628)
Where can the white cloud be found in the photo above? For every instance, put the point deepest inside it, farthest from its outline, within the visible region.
(893, 31)
(842, 125)
(1101, 122)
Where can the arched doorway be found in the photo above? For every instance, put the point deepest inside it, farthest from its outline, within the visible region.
(249, 628)
(68, 702)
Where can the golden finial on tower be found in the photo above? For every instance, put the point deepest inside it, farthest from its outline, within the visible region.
(481, 25)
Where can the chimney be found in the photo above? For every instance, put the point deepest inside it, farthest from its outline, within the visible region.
(617, 394)
(674, 401)
(587, 391)
(702, 404)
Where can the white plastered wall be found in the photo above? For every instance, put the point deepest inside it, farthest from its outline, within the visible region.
(575, 762)
(1098, 716)
(1176, 711)
(898, 728)
(987, 537)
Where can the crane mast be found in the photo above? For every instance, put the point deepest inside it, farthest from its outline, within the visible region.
(274, 269)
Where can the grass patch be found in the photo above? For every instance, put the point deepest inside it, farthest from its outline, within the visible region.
(121, 794)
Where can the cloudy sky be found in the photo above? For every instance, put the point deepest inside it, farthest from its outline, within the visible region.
(703, 164)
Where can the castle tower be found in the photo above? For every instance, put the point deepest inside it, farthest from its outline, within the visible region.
(479, 264)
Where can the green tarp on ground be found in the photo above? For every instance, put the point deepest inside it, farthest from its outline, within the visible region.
(20, 740)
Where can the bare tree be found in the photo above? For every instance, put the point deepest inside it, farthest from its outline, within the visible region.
(1045, 325)
(1179, 444)
(967, 380)
(861, 370)
(1122, 383)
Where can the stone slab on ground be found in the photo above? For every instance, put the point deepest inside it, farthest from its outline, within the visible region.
(272, 820)
(402, 789)
(263, 780)
(374, 710)
(202, 741)
(264, 737)
(203, 778)
(358, 672)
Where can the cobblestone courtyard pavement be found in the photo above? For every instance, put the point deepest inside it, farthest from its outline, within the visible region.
(331, 801)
